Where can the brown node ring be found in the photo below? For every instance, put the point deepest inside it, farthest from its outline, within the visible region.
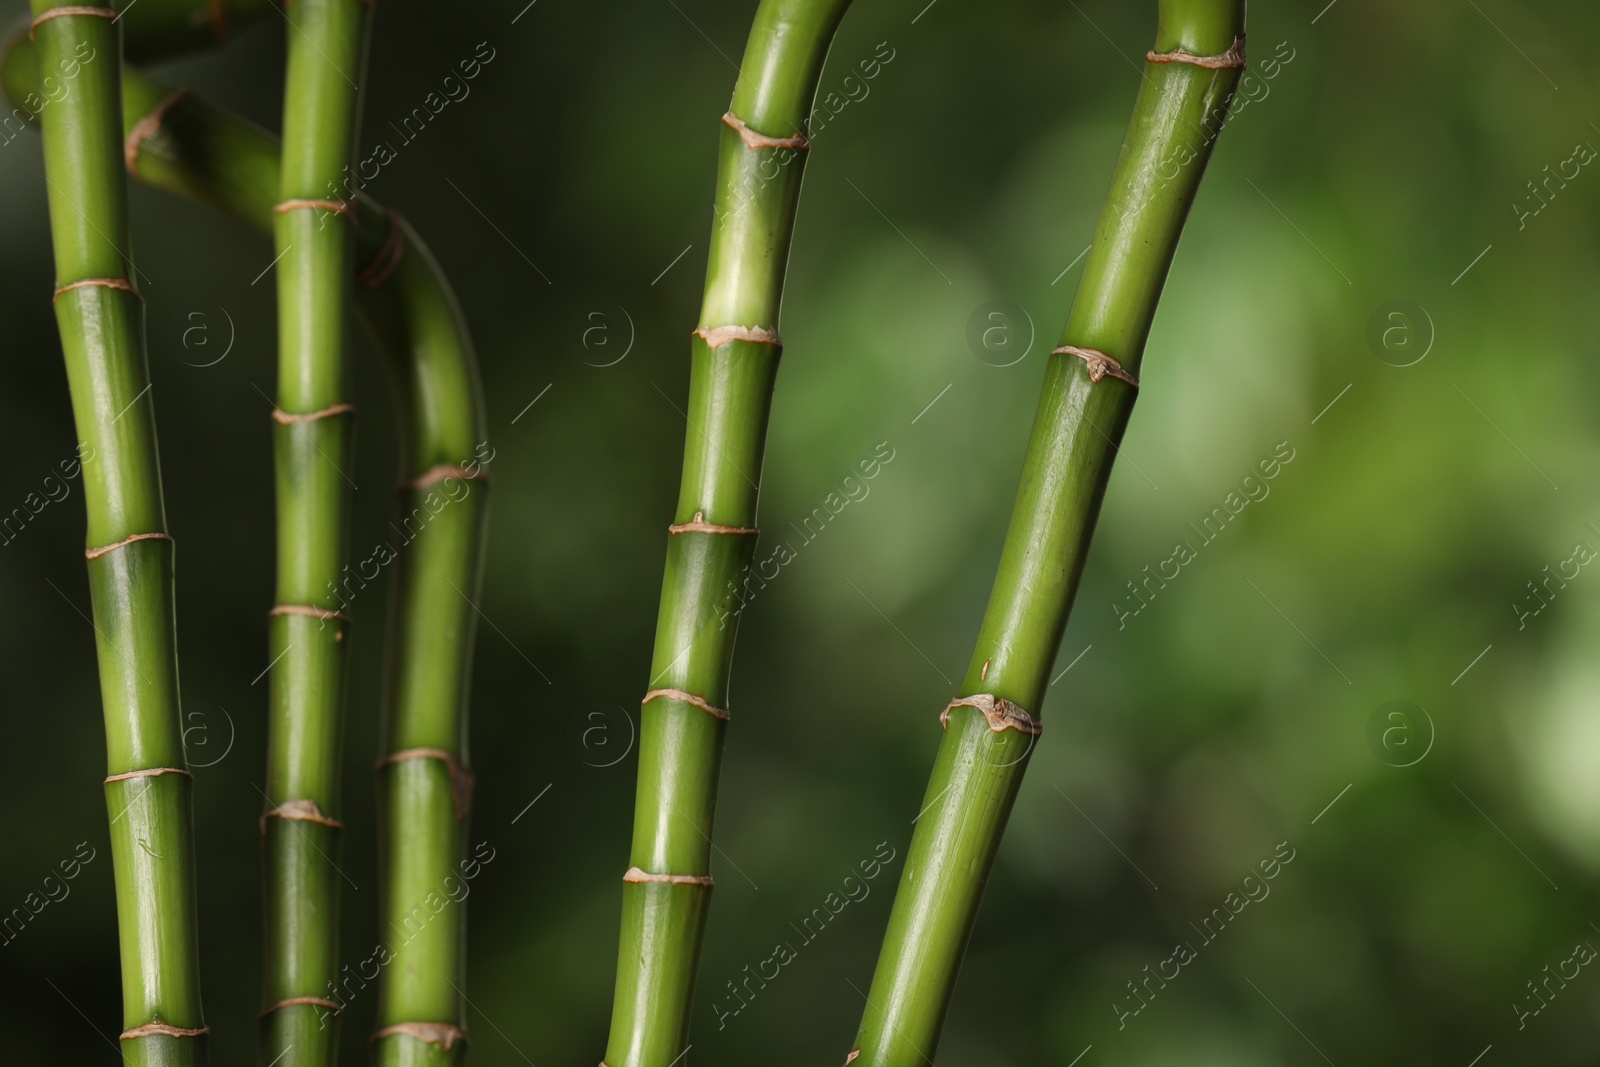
(120, 284)
(683, 697)
(58, 12)
(161, 1030)
(639, 876)
(461, 779)
(96, 553)
(147, 127)
(310, 610)
(1001, 713)
(442, 472)
(297, 1002)
(699, 525)
(387, 257)
(752, 139)
(337, 207)
(442, 1034)
(717, 336)
(284, 418)
(148, 772)
(1232, 59)
(299, 811)
(1100, 365)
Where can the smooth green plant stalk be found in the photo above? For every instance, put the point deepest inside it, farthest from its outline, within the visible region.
(733, 364)
(1088, 395)
(313, 446)
(182, 144)
(101, 318)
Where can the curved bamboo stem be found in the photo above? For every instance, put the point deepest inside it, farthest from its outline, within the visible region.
(313, 443)
(407, 306)
(1088, 395)
(733, 364)
(101, 318)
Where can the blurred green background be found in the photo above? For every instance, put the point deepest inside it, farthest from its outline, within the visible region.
(1442, 860)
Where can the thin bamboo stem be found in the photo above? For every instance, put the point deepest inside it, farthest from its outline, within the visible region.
(178, 142)
(313, 443)
(1088, 395)
(733, 365)
(101, 319)
(407, 306)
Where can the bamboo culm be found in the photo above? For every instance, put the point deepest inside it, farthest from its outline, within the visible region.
(424, 786)
(148, 787)
(178, 142)
(733, 364)
(313, 435)
(1089, 389)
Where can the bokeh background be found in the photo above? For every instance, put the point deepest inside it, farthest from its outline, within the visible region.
(1443, 456)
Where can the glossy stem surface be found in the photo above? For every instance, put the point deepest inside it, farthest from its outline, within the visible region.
(733, 365)
(308, 632)
(1080, 420)
(101, 318)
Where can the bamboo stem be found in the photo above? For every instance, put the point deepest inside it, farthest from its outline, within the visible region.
(101, 319)
(313, 443)
(733, 364)
(1088, 395)
(407, 306)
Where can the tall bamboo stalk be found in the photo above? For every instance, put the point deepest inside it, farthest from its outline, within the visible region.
(733, 364)
(178, 142)
(130, 553)
(312, 441)
(1090, 384)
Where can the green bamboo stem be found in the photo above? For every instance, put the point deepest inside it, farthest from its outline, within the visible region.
(101, 318)
(733, 364)
(313, 444)
(180, 143)
(407, 306)
(1084, 409)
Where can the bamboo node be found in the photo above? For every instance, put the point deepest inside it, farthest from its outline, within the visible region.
(752, 139)
(147, 772)
(296, 1002)
(848, 1060)
(299, 811)
(387, 257)
(461, 779)
(310, 610)
(336, 207)
(1002, 714)
(96, 553)
(1100, 365)
(284, 418)
(441, 1034)
(120, 284)
(440, 472)
(639, 876)
(58, 12)
(717, 336)
(148, 127)
(1232, 59)
(699, 525)
(683, 697)
(161, 1030)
